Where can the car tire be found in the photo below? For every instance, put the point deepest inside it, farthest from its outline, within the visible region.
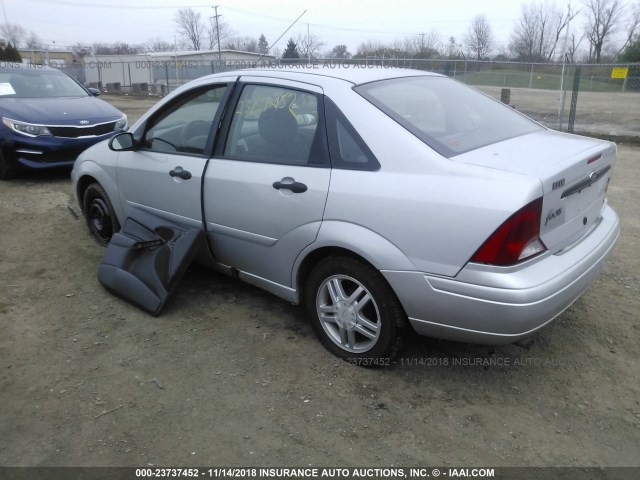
(7, 169)
(354, 312)
(99, 214)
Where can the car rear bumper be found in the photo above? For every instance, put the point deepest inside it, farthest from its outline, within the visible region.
(494, 305)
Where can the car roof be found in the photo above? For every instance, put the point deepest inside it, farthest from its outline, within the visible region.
(322, 73)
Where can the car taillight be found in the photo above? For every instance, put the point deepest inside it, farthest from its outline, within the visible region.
(517, 239)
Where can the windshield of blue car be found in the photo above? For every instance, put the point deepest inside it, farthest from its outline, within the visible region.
(37, 83)
(445, 114)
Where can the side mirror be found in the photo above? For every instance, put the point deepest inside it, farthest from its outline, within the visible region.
(122, 142)
(93, 91)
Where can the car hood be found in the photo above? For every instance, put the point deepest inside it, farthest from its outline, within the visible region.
(58, 111)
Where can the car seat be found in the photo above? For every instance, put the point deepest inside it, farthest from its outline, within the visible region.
(278, 129)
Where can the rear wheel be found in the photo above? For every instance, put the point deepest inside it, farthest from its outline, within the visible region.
(99, 213)
(354, 312)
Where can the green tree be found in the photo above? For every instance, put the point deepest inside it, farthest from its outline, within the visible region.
(291, 52)
(340, 51)
(263, 45)
(11, 54)
(632, 52)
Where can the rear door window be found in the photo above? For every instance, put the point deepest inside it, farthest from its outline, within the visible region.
(274, 124)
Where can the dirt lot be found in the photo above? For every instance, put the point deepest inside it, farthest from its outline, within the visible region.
(597, 113)
(230, 375)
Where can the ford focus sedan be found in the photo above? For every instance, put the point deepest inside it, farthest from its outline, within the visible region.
(48, 118)
(382, 200)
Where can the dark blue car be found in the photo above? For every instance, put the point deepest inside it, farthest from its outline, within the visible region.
(48, 118)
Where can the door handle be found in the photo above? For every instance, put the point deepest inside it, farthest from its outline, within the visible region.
(295, 187)
(180, 172)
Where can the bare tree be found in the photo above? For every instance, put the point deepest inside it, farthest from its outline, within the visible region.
(560, 23)
(190, 27)
(116, 48)
(632, 27)
(603, 19)
(80, 51)
(225, 32)
(158, 45)
(523, 44)
(479, 40)
(371, 48)
(425, 45)
(539, 31)
(309, 45)
(13, 33)
(243, 43)
(33, 41)
(572, 46)
(397, 49)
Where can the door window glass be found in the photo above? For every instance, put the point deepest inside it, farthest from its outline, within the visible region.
(275, 125)
(187, 124)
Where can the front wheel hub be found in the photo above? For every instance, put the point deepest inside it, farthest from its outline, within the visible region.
(100, 218)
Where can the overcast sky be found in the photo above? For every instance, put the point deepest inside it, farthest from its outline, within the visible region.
(350, 22)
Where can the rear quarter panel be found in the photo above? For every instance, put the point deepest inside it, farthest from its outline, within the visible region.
(434, 211)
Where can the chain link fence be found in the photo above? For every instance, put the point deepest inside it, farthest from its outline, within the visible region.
(593, 99)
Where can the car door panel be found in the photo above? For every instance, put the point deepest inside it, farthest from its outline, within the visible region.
(164, 174)
(143, 175)
(265, 192)
(256, 228)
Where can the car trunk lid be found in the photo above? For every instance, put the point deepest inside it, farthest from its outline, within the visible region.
(574, 172)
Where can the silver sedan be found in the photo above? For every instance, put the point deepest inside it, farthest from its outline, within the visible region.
(382, 200)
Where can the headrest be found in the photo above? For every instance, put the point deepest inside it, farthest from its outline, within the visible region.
(277, 125)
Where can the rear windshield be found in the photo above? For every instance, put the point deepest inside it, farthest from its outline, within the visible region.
(445, 114)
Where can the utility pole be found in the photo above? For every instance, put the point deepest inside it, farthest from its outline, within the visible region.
(308, 46)
(421, 42)
(218, 34)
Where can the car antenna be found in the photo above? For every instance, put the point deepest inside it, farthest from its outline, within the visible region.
(283, 34)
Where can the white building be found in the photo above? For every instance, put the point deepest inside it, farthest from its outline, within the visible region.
(161, 72)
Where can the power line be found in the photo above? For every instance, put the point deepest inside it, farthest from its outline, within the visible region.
(110, 6)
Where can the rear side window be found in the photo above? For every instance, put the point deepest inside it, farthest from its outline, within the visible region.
(445, 114)
(346, 147)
